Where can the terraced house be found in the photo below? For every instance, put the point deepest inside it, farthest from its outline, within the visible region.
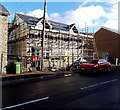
(3, 38)
(62, 42)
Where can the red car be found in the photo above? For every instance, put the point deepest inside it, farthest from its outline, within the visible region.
(95, 65)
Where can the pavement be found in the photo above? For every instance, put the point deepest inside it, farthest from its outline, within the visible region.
(28, 73)
(34, 76)
(30, 76)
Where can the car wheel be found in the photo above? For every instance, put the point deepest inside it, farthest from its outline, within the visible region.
(94, 70)
(109, 69)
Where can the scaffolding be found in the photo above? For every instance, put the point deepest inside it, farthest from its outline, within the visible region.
(61, 49)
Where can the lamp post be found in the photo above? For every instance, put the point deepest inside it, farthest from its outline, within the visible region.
(43, 36)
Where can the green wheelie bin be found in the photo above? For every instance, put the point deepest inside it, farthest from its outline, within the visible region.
(18, 67)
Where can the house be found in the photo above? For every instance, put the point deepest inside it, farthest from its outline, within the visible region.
(108, 43)
(61, 42)
(3, 38)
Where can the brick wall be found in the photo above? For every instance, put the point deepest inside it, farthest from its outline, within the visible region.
(107, 42)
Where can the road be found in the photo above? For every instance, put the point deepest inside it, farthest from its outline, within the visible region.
(78, 91)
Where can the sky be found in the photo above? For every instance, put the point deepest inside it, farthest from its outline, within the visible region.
(92, 14)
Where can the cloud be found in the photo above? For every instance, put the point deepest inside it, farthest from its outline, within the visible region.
(113, 14)
(113, 24)
(113, 1)
(37, 13)
(112, 18)
(92, 15)
(55, 16)
(82, 15)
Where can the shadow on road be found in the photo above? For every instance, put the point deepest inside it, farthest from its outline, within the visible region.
(99, 73)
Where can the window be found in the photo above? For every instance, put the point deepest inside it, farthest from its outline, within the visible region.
(94, 61)
(102, 61)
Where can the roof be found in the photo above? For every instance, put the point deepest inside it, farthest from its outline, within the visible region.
(111, 30)
(59, 26)
(3, 9)
(55, 25)
(29, 19)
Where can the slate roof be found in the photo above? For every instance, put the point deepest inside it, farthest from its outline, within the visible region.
(29, 19)
(34, 20)
(3, 9)
(59, 26)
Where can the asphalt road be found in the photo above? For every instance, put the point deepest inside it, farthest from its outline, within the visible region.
(78, 91)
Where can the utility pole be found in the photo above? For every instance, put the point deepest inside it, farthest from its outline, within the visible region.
(43, 36)
(1, 62)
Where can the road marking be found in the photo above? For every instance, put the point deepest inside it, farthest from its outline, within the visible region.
(94, 85)
(25, 103)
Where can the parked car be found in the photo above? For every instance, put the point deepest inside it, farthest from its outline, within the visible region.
(95, 65)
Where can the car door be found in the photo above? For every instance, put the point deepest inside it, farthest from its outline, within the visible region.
(105, 66)
(101, 64)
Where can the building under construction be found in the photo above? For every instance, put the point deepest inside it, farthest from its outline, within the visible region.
(63, 44)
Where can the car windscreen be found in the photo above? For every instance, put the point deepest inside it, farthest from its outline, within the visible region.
(94, 61)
